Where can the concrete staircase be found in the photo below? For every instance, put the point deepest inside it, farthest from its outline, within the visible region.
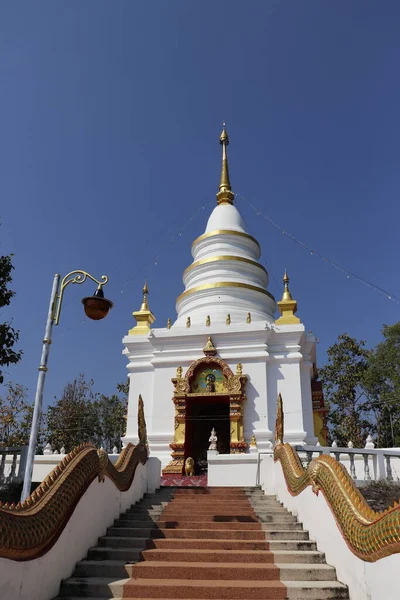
(207, 543)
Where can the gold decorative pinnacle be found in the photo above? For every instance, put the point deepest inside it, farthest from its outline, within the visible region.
(287, 306)
(144, 317)
(228, 319)
(169, 323)
(225, 194)
(208, 321)
(253, 442)
(188, 322)
(279, 423)
(248, 318)
(209, 349)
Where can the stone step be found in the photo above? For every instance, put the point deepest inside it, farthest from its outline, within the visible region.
(150, 505)
(133, 524)
(238, 534)
(109, 553)
(264, 502)
(280, 525)
(209, 501)
(129, 516)
(274, 512)
(234, 590)
(138, 510)
(200, 510)
(132, 532)
(93, 587)
(287, 544)
(224, 544)
(216, 525)
(210, 518)
(233, 556)
(104, 568)
(208, 492)
(219, 488)
(205, 571)
(285, 534)
(276, 517)
(210, 544)
(133, 543)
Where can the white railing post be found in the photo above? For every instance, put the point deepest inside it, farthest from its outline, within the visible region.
(351, 457)
(389, 473)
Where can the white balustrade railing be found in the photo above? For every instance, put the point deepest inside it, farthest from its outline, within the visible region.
(384, 461)
(12, 464)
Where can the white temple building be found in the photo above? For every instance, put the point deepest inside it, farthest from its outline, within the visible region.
(225, 359)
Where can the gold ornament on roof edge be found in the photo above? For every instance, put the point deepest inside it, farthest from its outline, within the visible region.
(208, 321)
(287, 306)
(248, 318)
(188, 322)
(228, 319)
(209, 349)
(144, 317)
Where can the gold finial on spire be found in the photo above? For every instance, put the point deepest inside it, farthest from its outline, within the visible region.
(145, 292)
(144, 317)
(287, 306)
(225, 194)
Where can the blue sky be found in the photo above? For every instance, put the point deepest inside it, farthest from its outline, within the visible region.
(110, 114)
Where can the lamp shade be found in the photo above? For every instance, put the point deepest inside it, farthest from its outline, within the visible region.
(96, 306)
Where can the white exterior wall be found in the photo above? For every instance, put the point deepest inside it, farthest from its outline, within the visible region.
(366, 581)
(101, 504)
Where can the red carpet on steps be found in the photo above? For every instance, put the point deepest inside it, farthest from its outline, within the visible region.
(211, 546)
(182, 480)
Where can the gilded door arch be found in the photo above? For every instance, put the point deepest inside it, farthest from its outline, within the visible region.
(196, 383)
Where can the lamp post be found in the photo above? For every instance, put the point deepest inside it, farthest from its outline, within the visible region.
(96, 307)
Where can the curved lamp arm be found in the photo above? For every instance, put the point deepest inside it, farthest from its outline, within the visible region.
(73, 277)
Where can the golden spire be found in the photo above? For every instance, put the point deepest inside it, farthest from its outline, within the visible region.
(144, 317)
(225, 194)
(287, 306)
(286, 293)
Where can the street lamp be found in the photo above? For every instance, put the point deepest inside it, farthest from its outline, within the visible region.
(96, 307)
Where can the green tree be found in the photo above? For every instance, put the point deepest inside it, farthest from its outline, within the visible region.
(112, 412)
(343, 381)
(81, 415)
(16, 418)
(8, 335)
(74, 418)
(382, 383)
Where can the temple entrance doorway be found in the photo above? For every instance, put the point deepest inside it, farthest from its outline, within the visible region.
(202, 414)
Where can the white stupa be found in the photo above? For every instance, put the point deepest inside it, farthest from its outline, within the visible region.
(224, 360)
